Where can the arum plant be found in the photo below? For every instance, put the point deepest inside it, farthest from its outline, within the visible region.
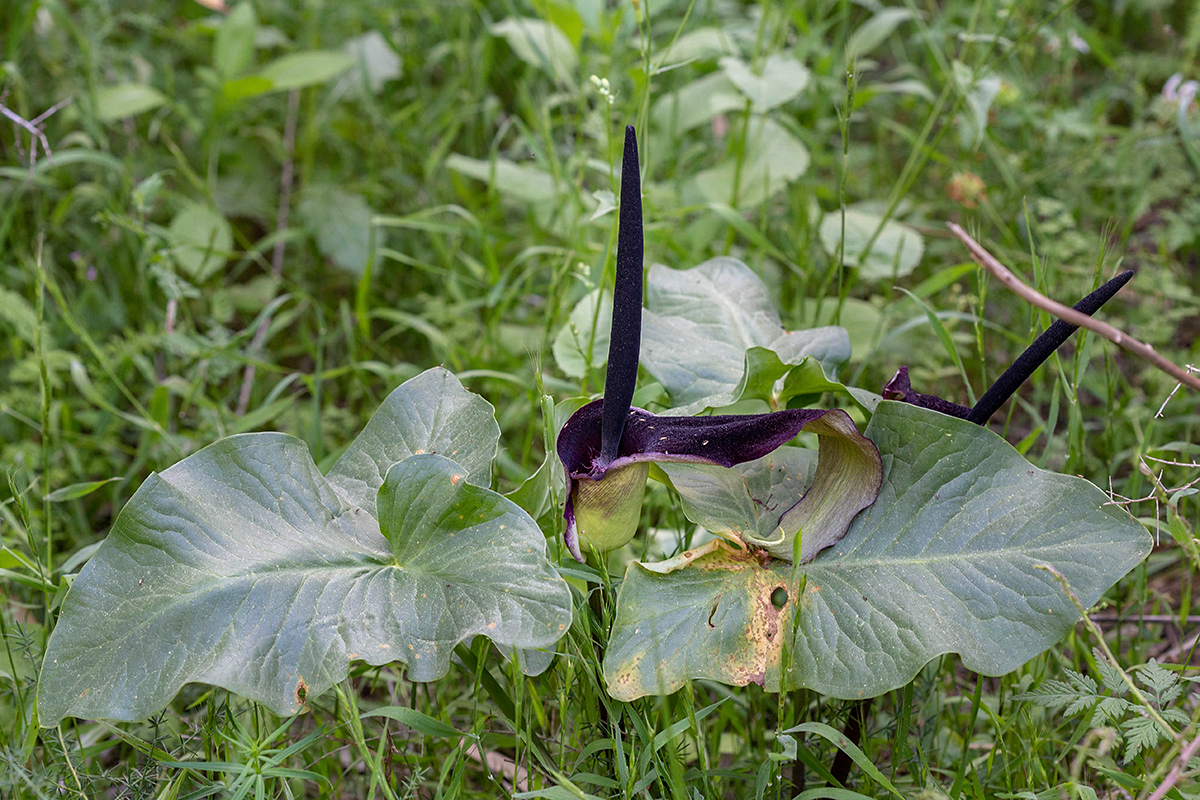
(960, 551)
(607, 446)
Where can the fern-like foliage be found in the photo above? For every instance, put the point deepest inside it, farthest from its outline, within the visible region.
(1109, 705)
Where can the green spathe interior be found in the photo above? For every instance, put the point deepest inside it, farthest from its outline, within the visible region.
(607, 511)
(949, 559)
(768, 502)
(242, 566)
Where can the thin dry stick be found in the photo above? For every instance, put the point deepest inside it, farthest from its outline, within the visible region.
(1189, 368)
(35, 128)
(1033, 297)
(1176, 771)
(281, 222)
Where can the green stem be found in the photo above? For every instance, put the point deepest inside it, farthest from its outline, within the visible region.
(46, 568)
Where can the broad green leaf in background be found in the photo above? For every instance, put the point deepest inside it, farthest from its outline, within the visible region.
(540, 44)
(875, 31)
(17, 314)
(697, 103)
(310, 68)
(766, 377)
(375, 62)
(947, 560)
(781, 79)
(606, 202)
(773, 158)
(862, 321)
(699, 44)
(519, 181)
(699, 324)
(896, 251)
(590, 11)
(201, 240)
(566, 17)
(243, 567)
(233, 47)
(979, 90)
(126, 100)
(341, 223)
(576, 348)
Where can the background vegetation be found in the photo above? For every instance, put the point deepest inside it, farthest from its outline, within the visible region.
(270, 217)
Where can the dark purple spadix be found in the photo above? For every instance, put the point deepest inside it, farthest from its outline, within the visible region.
(1041, 349)
(607, 445)
(626, 339)
(898, 388)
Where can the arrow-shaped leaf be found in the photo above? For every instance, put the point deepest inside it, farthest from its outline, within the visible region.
(242, 566)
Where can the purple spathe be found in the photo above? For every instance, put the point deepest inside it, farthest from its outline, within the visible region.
(723, 440)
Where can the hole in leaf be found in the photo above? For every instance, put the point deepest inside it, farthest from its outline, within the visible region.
(779, 597)
(301, 692)
(710, 615)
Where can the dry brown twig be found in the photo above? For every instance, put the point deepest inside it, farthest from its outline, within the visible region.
(1189, 368)
(286, 179)
(1036, 298)
(35, 128)
(1177, 770)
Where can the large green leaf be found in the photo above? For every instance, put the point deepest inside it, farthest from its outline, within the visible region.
(891, 251)
(696, 103)
(772, 159)
(341, 222)
(201, 240)
(431, 413)
(949, 559)
(540, 44)
(706, 613)
(242, 566)
(582, 344)
(700, 323)
(521, 182)
(780, 79)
